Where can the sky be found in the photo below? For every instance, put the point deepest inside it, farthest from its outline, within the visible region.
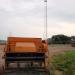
(26, 18)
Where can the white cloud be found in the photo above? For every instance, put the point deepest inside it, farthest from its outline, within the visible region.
(26, 17)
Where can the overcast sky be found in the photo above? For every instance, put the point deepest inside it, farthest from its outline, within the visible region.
(26, 18)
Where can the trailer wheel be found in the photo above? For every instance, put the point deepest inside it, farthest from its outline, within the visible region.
(40, 64)
(18, 64)
(31, 64)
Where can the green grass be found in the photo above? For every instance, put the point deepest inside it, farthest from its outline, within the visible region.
(64, 62)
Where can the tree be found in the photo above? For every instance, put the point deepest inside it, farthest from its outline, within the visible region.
(60, 39)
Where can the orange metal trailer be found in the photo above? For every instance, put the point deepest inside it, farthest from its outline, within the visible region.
(26, 50)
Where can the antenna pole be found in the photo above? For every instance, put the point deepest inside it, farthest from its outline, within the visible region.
(45, 1)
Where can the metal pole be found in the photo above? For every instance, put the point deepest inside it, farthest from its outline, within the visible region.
(45, 19)
(46, 34)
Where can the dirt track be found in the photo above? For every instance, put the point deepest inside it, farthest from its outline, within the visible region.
(1, 54)
(55, 49)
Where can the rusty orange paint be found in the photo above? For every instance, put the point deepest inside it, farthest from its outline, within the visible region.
(19, 44)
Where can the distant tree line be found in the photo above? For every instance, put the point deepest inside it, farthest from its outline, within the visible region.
(60, 39)
(2, 42)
